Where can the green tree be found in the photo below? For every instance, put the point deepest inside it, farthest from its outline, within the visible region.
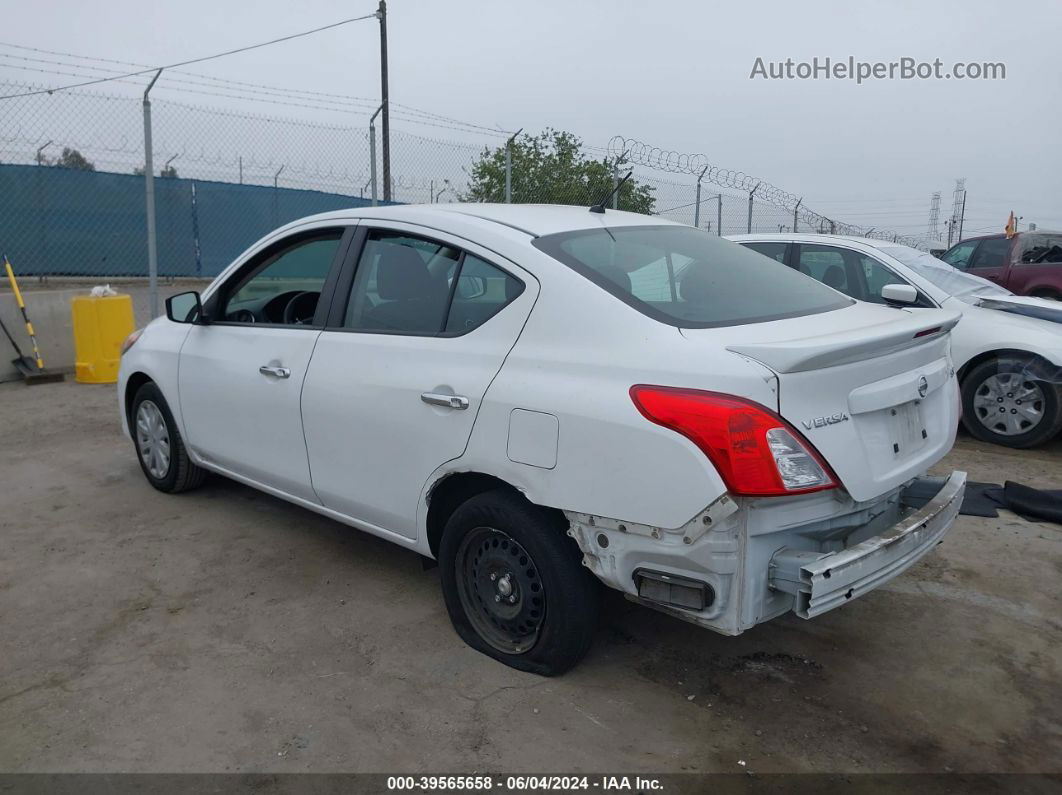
(551, 168)
(71, 158)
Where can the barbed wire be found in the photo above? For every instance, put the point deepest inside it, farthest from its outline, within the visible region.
(698, 165)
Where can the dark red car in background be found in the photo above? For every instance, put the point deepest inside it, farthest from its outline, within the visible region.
(1028, 263)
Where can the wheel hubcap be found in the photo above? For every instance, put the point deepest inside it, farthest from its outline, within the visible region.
(500, 590)
(1009, 404)
(152, 439)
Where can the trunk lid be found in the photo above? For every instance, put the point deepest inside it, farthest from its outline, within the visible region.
(872, 388)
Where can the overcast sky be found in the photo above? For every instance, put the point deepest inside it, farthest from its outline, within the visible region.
(674, 74)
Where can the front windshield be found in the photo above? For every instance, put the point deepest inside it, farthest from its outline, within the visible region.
(687, 278)
(951, 280)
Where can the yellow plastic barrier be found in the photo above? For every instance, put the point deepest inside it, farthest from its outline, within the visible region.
(100, 327)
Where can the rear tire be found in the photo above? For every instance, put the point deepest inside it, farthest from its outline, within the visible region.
(515, 586)
(160, 450)
(1003, 404)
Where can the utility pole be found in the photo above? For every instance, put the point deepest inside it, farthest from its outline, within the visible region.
(381, 14)
(962, 212)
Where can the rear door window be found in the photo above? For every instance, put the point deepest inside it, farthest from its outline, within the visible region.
(851, 272)
(992, 253)
(1041, 249)
(772, 249)
(685, 277)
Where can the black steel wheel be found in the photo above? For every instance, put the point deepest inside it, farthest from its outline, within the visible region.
(514, 583)
(501, 590)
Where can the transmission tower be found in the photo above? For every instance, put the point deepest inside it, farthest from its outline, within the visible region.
(957, 201)
(934, 217)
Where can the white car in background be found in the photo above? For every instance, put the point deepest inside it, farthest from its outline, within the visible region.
(549, 398)
(1007, 348)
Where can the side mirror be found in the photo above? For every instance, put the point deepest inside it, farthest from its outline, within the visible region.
(470, 287)
(899, 294)
(185, 308)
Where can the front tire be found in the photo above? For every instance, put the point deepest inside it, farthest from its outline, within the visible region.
(1004, 404)
(515, 586)
(160, 450)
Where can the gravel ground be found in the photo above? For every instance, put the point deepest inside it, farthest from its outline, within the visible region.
(225, 630)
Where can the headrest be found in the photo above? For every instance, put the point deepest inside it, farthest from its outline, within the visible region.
(402, 274)
(834, 277)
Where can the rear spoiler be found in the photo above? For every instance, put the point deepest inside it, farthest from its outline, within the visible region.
(905, 330)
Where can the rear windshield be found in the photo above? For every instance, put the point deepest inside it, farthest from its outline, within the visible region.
(688, 278)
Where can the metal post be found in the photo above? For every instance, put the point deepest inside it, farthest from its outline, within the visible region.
(719, 217)
(372, 156)
(509, 166)
(241, 169)
(149, 188)
(431, 191)
(40, 152)
(962, 215)
(276, 177)
(381, 14)
(615, 185)
(795, 211)
(751, 194)
(697, 206)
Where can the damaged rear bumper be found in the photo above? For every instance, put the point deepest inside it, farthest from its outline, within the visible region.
(821, 581)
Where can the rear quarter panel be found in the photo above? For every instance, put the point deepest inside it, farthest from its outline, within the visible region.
(577, 358)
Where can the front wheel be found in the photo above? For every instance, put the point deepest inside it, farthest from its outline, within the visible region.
(1004, 403)
(159, 447)
(515, 586)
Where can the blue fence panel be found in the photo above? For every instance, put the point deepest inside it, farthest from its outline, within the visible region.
(231, 217)
(66, 222)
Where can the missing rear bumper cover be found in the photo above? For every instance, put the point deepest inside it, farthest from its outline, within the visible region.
(669, 589)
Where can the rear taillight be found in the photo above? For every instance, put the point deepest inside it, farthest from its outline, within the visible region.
(756, 452)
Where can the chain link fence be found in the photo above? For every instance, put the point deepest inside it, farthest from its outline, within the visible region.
(72, 190)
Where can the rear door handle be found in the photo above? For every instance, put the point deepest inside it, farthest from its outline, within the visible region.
(449, 401)
(279, 372)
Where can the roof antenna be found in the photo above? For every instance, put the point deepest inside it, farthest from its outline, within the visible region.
(600, 206)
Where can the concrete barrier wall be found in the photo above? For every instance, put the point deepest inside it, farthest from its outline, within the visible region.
(49, 309)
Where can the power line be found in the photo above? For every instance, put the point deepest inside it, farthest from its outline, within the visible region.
(320, 96)
(195, 60)
(283, 94)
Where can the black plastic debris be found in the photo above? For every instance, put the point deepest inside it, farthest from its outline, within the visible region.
(985, 499)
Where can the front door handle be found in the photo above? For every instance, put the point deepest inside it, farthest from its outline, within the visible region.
(449, 401)
(279, 372)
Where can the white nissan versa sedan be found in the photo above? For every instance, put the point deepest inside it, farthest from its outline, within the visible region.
(544, 398)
